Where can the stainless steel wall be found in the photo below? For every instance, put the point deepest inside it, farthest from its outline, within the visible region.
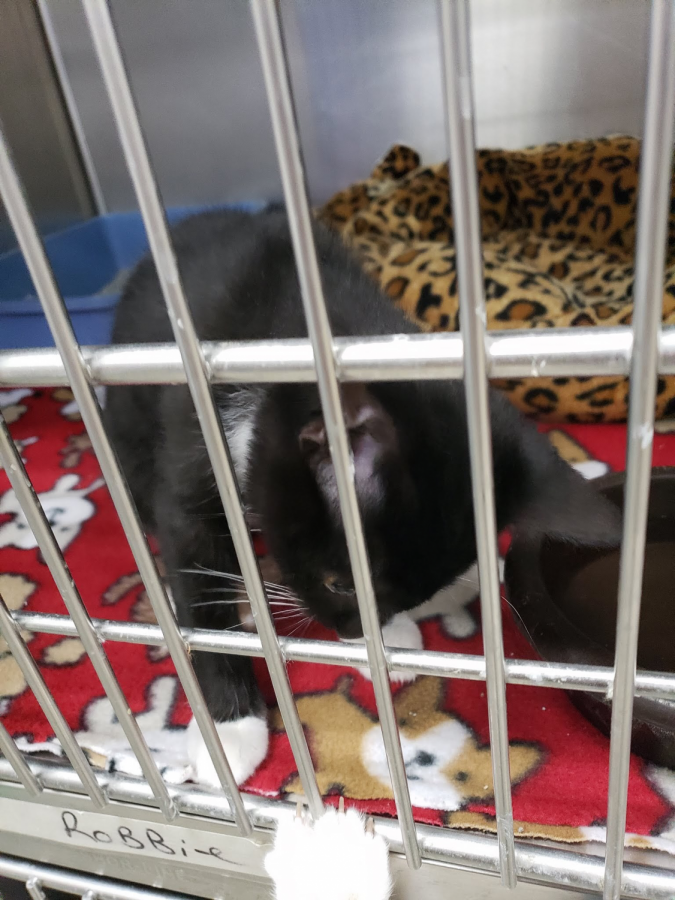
(36, 125)
(366, 72)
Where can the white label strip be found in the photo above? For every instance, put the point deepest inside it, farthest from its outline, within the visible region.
(114, 833)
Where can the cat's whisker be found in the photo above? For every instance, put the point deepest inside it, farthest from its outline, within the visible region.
(223, 590)
(302, 624)
(274, 603)
(205, 570)
(214, 603)
(277, 591)
(274, 599)
(288, 621)
(234, 576)
(292, 613)
(280, 598)
(272, 585)
(520, 619)
(236, 627)
(286, 616)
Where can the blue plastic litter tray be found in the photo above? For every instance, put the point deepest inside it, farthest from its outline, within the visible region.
(90, 263)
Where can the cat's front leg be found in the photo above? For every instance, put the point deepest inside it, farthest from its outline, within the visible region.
(200, 560)
(234, 701)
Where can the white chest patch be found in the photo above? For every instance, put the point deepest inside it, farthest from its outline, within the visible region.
(239, 418)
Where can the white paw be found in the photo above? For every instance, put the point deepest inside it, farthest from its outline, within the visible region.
(460, 624)
(334, 858)
(591, 468)
(244, 741)
(451, 604)
(403, 633)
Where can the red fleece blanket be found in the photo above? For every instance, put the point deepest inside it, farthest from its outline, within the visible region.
(558, 760)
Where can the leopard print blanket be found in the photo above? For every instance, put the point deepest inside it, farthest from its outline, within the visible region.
(558, 227)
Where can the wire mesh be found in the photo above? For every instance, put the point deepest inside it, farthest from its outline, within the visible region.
(583, 352)
(641, 351)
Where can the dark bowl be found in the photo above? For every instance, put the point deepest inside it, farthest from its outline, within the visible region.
(565, 602)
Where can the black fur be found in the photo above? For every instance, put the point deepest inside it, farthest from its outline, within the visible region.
(409, 441)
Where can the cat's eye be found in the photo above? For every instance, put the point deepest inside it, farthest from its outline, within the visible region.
(335, 586)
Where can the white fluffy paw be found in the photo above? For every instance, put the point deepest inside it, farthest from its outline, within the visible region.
(451, 604)
(403, 633)
(460, 624)
(244, 741)
(339, 857)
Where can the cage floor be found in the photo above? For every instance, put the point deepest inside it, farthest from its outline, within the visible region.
(558, 760)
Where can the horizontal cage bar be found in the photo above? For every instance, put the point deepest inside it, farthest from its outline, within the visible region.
(597, 679)
(559, 353)
(38, 876)
(534, 862)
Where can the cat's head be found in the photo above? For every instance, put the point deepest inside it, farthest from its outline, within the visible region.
(413, 483)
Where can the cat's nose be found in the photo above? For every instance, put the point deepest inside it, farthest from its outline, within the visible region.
(348, 625)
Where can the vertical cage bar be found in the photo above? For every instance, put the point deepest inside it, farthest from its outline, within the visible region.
(37, 520)
(14, 757)
(456, 54)
(138, 161)
(280, 99)
(34, 889)
(79, 379)
(10, 631)
(652, 222)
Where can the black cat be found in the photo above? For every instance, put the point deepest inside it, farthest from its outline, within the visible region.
(410, 452)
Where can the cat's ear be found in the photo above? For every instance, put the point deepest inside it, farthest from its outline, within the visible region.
(566, 506)
(372, 437)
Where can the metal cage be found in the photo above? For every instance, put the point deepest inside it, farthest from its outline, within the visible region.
(39, 790)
